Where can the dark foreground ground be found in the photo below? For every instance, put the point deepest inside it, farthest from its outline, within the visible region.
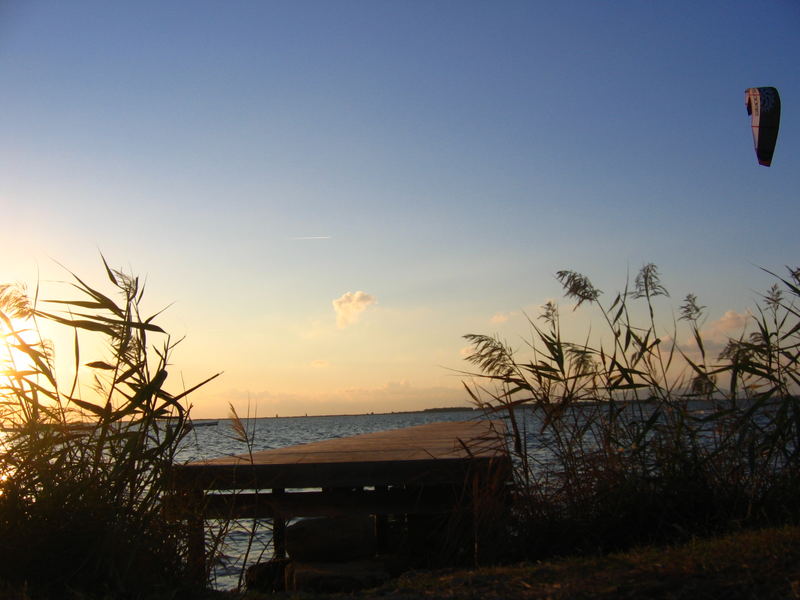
(761, 565)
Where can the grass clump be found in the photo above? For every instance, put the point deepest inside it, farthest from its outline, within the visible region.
(84, 462)
(628, 437)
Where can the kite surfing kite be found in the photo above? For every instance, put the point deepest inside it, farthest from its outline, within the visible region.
(764, 107)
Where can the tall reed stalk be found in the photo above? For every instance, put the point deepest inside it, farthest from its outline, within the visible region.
(634, 438)
(85, 459)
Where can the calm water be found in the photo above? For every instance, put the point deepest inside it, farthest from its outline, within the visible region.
(219, 440)
(211, 441)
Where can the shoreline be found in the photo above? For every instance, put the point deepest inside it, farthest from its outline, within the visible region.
(368, 414)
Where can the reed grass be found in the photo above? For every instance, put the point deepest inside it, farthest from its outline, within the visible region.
(636, 439)
(246, 436)
(85, 465)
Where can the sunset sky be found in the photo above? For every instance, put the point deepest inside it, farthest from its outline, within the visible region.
(333, 193)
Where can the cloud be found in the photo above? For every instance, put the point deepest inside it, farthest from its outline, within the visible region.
(350, 306)
(320, 364)
(715, 335)
(311, 237)
(498, 318)
(729, 325)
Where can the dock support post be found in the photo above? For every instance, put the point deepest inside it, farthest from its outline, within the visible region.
(382, 525)
(476, 488)
(279, 530)
(196, 542)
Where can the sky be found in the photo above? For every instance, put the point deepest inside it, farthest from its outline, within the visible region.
(330, 194)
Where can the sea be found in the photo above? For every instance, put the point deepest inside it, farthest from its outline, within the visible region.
(243, 543)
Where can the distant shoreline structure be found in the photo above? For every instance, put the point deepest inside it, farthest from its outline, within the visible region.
(444, 409)
(453, 409)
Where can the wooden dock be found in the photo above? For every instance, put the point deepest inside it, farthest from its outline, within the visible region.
(397, 472)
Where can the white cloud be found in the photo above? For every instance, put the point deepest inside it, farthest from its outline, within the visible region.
(729, 325)
(349, 307)
(715, 335)
(499, 317)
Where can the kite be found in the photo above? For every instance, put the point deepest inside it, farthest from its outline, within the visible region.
(764, 107)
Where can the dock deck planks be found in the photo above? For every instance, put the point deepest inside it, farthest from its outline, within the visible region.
(401, 471)
(425, 454)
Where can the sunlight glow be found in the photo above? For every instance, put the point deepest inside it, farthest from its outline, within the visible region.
(19, 341)
(15, 333)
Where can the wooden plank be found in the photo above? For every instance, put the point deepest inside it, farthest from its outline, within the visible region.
(242, 505)
(344, 474)
(431, 441)
(424, 455)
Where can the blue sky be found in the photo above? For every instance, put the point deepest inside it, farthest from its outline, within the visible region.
(449, 156)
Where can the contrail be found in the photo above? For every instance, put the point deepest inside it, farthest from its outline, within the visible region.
(312, 237)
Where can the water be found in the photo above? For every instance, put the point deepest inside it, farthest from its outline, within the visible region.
(219, 440)
(214, 440)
